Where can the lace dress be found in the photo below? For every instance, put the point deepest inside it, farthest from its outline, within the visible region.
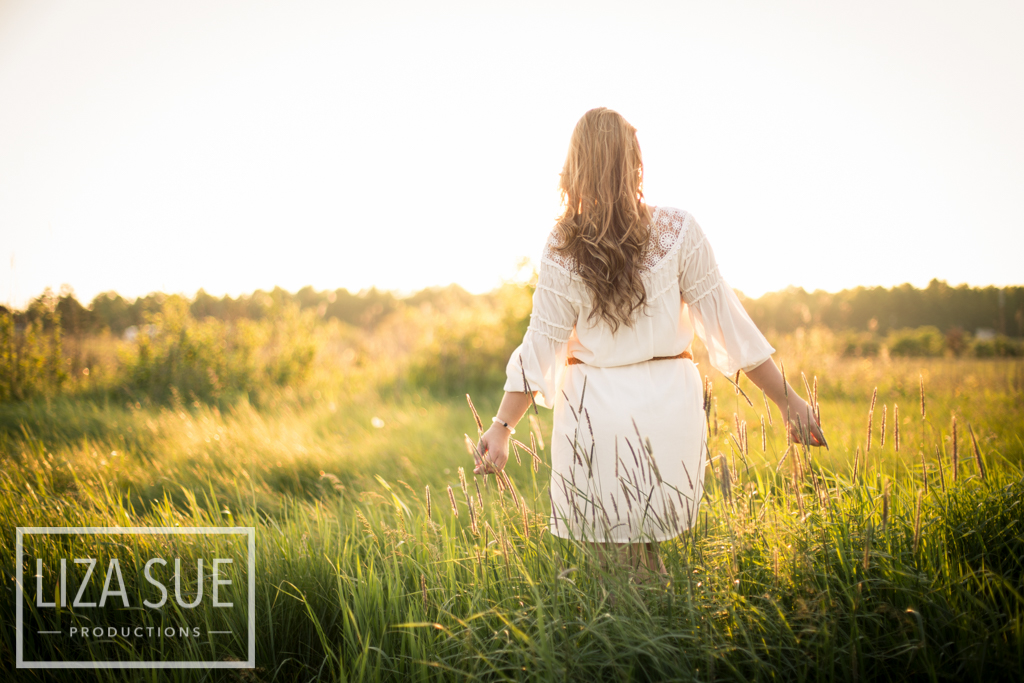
(627, 449)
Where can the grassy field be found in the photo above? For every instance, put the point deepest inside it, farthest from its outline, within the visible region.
(851, 564)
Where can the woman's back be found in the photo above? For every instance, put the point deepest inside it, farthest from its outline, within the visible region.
(678, 268)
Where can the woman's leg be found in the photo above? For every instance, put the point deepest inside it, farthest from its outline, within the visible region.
(642, 559)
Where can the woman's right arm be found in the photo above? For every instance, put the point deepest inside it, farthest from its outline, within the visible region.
(732, 339)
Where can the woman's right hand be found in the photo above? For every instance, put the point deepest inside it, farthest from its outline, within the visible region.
(803, 427)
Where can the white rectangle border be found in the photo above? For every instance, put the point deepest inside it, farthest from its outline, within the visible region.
(249, 531)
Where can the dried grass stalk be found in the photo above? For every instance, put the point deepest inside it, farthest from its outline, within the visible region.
(921, 378)
(451, 499)
(885, 506)
(956, 453)
(476, 416)
(881, 440)
(871, 420)
(977, 453)
(866, 563)
(535, 429)
(473, 450)
(917, 520)
(896, 427)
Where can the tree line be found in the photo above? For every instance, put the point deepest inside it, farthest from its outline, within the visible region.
(877, 310)
(881, 310)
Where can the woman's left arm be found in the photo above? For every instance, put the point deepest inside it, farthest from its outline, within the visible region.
(493, 445)
(536, 365)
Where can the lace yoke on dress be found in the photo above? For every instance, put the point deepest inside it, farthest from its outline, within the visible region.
(669, 231)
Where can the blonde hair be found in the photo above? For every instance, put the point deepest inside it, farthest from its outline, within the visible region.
(604, 229)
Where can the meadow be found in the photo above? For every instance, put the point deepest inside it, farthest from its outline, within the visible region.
(896, 554)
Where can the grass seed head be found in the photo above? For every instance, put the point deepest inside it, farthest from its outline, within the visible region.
(451, 499)
(896, 427)
(476, 416)
(508, 485)
(428, 501)
(881, 440)
(472, 516)
(472, 449)
(921, 378)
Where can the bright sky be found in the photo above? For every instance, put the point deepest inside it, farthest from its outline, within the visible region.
(240, 145)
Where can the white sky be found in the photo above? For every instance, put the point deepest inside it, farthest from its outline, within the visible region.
(240, 145)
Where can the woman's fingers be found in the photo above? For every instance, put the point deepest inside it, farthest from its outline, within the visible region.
(491, 462)
(813, 436)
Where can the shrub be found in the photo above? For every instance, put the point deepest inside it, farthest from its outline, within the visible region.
(211, 359)
(31, 358)
(922, 341)
(999, 347)
(957, 341)
(467, 349)
(859, 344)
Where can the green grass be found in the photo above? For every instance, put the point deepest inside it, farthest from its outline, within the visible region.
(804, 573)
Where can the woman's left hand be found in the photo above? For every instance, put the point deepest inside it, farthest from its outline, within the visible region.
(493, 448)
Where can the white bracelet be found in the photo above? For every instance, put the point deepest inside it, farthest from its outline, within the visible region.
(504, 424)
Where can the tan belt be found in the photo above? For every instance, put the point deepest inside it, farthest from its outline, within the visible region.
(685, 354)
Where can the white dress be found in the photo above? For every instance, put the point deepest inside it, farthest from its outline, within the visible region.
(627, 453)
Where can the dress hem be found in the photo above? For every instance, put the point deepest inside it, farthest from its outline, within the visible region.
(656, 538)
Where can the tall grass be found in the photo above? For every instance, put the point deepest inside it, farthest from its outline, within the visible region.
(798, 570)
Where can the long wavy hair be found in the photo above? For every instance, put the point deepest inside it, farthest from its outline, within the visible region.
(604, 229)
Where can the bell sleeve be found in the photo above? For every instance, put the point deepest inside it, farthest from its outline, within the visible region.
(541, 358)
(732, 339)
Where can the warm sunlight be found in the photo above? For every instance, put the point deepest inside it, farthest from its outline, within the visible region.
(235, 147)
(294, 387)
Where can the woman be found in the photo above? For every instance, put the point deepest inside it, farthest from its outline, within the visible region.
(621, 290)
